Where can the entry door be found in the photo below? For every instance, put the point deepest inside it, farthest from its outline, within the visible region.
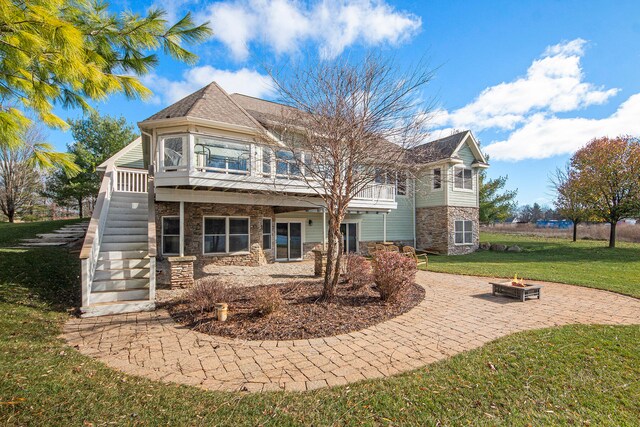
(349, 232)
(288, 241)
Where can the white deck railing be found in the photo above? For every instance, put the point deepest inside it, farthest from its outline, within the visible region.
(385, 192)
(92, 240)
(131, 180)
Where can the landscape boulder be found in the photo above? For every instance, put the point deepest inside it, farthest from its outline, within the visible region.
(514, 248)
(484, 246)
(498, 248)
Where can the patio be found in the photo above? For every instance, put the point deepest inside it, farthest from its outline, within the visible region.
(458, 314)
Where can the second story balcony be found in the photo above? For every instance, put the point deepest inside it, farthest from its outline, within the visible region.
(196, 161)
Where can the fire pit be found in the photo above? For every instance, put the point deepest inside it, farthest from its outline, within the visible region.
(517, 289)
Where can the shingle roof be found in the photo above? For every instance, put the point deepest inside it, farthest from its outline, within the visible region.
(266, 112)
(212, 103)
(438, 149)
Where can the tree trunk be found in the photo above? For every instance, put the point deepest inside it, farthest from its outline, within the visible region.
(612, 234)
(575, 230)
(80, 207)
(332, 272)
(11, 215)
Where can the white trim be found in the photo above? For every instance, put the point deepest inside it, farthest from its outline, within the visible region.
(475, 148)
(176, 121)
(162, 234)
(226, 235)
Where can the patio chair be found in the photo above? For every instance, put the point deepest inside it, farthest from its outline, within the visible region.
(371, 249)
(393, 248)
(410, 252)
(380, 247)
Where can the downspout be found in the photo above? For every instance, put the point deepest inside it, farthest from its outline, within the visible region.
(324, 229)
(384, 227)
(415, 241)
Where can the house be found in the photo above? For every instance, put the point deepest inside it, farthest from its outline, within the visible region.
(201, 187)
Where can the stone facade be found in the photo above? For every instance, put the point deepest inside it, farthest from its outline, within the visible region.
(435, 229)
(181, 271)
(193, 238)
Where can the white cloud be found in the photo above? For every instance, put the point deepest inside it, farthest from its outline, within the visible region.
(546, 136)
(283, 25)
(553, 83)
(244, 80)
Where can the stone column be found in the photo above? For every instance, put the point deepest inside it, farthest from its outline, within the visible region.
(320, 265)
(181, 271)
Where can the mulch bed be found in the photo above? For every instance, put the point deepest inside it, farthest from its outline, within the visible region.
(301, 315)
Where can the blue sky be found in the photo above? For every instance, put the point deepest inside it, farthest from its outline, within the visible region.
(534, 80)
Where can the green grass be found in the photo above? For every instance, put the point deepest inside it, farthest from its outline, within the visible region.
(574, 375)
(11, 234)
(585, 262)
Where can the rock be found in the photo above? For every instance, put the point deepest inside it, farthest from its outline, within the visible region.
(514, 248)
(484, 246)
(498, 248)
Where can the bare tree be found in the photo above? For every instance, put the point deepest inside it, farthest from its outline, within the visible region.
(350, 125)
(570, 199)
(20, 179)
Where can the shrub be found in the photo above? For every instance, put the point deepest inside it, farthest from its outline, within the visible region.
(267, 300)
(357, 271)
(204, 295)
(393, 274)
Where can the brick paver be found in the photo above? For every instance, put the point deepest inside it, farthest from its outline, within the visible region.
(458, 314)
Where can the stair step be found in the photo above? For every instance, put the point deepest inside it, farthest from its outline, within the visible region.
(118, 264)
(121, 274)
(120, 285)
(140, 213)
(60, 236)
(113, 296)
(124, 238)
(128, 205)
(105, 255)
(118, 223)
(117, 231)
(123, 246)
(109, 308)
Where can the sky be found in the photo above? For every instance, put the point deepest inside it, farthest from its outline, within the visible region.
(533, 80)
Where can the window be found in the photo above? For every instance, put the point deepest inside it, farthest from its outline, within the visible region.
(401, 184)
(437, 179)
(266, 233)
(225, 235)
(464, 232)
(170, 235)
(463, 179)
(173, 149)
(223, 156)
(267, 155)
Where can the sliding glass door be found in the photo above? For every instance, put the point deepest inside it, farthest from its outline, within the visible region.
(288, 241)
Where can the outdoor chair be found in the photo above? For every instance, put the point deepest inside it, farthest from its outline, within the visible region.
(380, 247)
(393, 248)
(371, 249)
(410, 252)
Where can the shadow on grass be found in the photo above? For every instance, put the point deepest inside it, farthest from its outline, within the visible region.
(43, 278)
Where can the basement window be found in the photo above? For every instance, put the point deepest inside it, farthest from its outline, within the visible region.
(464, 232)
(225, 235)
(170, 235)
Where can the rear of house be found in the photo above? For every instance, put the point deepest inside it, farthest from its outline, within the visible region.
(202, 186)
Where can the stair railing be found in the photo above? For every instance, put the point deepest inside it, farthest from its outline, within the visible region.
(93, 239)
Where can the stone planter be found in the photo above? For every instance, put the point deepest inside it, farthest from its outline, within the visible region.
(320, 262)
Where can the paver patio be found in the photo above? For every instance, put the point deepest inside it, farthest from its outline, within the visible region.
(458, 314)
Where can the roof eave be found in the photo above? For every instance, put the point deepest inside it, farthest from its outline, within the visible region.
(173, 121)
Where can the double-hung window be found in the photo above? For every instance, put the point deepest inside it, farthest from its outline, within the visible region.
(464, 232)
(266, 233)
(225, 235)
(170, 235)
(437, 179)
(463, 179)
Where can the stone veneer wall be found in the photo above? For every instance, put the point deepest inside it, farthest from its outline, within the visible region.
(435, 228)
(193, 229)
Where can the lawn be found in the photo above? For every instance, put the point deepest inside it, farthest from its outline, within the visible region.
(574, 375)
(11, 234)
(585, 262)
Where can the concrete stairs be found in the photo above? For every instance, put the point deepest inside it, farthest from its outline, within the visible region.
(121, 282)
(65, 236)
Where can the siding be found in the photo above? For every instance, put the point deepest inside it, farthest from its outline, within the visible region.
(425, 195)
(371, 225)
(132, 158)
(464, 198)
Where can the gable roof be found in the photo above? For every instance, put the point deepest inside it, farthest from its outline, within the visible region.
(210, 103)
(447, 148)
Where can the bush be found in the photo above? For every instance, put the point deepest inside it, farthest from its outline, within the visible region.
(393, 274)
(267, 300)
(357, 271)
(205, 294)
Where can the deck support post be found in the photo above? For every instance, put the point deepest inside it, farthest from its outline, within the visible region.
(181, 229)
